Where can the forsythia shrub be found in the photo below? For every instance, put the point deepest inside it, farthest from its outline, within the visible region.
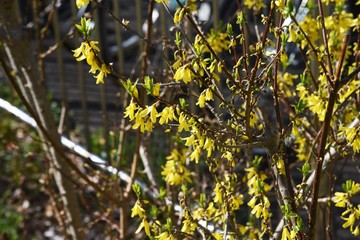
(223, 78)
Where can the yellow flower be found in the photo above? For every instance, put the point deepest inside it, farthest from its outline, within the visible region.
(175, 171)
(183, 124)
(104, 71)
(160, 1)
(90, 58)
(217, 236)
(280, 4)
(167, 114)
(236, 202)
(209, 146)
(149, 125)
(139, 122)
(144, 224)
(208, 95)
(356, 231)
(137, 210)
(201, 100)
(257, 210)
(80, 3)
(211, 210)
(79, 52)
(94, 67)
(165, 236)
(188, 226)
(89, 51)
(285, 234)
(183, 73)
(156, 90)
(347, 90)
(195, 155)
(289, 78)
(218, 194)
(219, 42)
(352, 136)
(189, 140)
(310, 27)
(130, 110)
(340, 199)
(281, 166)
(198, 214)
(317, 105)
(349, 221)
(256, 5)
(252, 202)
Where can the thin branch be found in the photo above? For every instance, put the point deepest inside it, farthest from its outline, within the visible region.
(322, 147)
(325, 40)
(314, 50)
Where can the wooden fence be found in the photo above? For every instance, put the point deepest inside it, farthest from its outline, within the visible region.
(82, 105)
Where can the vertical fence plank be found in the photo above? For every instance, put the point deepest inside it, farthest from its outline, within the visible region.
(120, 54)
(100, 34)
(138, 14)
(215, 14)
(60, 66)
(164, 32)
(123, 94)
(82, 86)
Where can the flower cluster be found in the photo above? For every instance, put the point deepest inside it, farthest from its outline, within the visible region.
(144, 117)
(208, 106)
(89, 51)
(352, 136)
(175, 171)
(351, 215)
(259, 202)
(138, 210)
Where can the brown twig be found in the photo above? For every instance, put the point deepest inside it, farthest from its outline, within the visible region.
(323, 142)
(287, 178)
(314, 50)
(325, 40)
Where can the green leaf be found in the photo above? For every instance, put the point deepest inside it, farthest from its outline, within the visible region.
(288, 9)
(149, 84)
(130, 87)
(85, 27)
(184, 189)
(202, 199)
(162, 193)
(229, 29)
(347, 186)
(299, 223)
(305, 80)
(178, 38)
(240, 18)
(183, 103)
(305, 169)
(288, 213)
(137, 189)
(80, 29)
(300, 106)
(284, 38)
(260, 185)
(168, 224)
(154, 211)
